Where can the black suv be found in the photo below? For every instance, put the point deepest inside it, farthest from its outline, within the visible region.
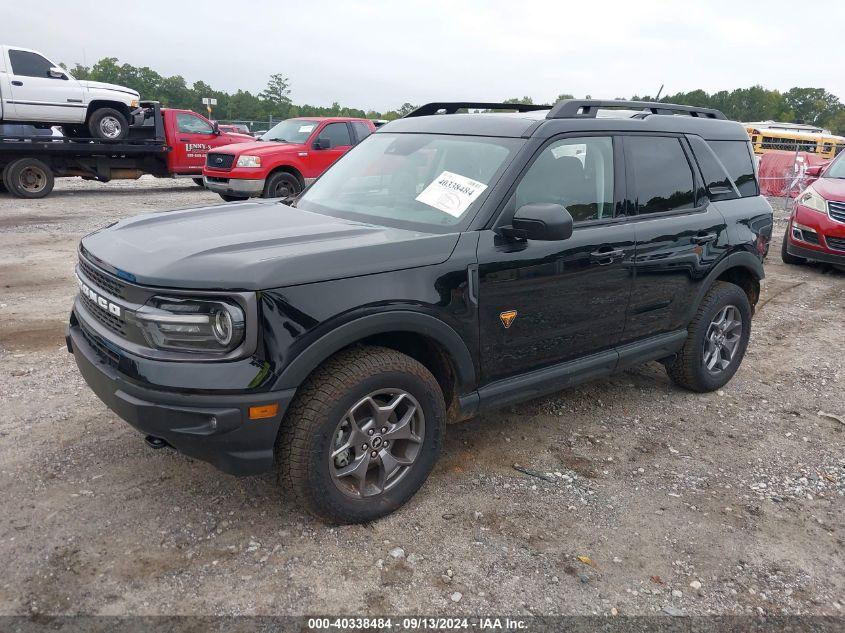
(448, 264)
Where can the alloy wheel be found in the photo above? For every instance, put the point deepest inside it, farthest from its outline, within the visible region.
(722, 339)
(376, 443)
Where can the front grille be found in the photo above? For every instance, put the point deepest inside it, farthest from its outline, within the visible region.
(836, 210)
(835, 243)
(113, 323)
(216, 160)
(104, 281)
(95, 342)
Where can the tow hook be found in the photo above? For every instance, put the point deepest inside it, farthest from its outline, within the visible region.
(156, 442)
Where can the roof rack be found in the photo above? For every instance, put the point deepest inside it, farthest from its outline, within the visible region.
(451, 107)
(588, 108)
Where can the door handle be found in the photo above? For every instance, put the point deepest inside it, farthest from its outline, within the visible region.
(704, 238)
(17, 83)
(606, 256)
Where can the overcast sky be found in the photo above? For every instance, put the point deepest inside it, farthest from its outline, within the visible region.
(381, 54)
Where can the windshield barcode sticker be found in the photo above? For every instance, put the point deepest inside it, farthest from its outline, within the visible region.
(451, 193)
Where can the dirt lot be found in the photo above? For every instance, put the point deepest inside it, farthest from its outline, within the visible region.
(653, 499)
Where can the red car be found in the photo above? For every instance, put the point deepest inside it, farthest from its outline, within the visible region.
(285, 159)
(816, 228)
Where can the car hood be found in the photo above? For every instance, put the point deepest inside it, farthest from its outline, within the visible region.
(255, 246)
(831, 188)
(260, 148)
(99, 85)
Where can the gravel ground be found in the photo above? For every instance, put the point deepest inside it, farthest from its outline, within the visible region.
(649, 499)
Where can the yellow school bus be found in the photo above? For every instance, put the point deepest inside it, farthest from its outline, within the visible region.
(771, 135)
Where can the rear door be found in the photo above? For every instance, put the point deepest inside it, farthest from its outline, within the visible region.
(339, 137)
(37, 96)
(546, 302)
(680, 234)
(194, 137)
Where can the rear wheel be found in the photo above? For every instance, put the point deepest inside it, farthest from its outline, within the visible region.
(784, 254)
(108, 124)
(28, 178)
(716, 341)
(198, 182)
(229, 198)
(362, 435)
(281, 185)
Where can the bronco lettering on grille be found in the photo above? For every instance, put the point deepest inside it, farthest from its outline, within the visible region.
(97, 299)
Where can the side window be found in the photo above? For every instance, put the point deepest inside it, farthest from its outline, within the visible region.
(362, 131)
(576, 173)
(190, 124)
(29, 64)
(662, 176)
(337, 134)
(716, 180)
(736, 158)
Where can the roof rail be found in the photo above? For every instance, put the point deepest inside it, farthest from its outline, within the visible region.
(588, 108)
(451, 107)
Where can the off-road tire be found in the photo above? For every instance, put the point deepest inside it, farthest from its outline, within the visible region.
(792, 260)
(282, 184)
(307, 433)
(228, 198)
(97, 117)
(687, 368)
(15, 179)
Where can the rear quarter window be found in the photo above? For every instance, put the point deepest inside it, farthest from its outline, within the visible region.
(736, 157)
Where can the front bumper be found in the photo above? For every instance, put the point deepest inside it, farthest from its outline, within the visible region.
(828, 236)
(213, 428)
(246, 187)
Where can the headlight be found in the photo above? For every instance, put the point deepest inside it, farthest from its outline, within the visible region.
(249, 161)
(133, 103)
(192, 325)
(812, 200)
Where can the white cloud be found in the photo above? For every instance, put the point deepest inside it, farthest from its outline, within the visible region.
(381, 54)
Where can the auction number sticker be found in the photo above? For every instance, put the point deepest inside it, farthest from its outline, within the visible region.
(451, 193)
(305, 129)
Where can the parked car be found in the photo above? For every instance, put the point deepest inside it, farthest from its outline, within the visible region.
(166, 143)
(35, 90)
(235, 128)
(816, 230)
(284, 160)
(450, 264)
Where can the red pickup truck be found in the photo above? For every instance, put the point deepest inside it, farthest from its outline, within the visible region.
(163, 142)
(285, 159)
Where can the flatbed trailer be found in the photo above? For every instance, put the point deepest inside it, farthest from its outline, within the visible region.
(156, 145)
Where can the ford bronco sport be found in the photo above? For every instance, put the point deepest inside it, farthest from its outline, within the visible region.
(448, 264)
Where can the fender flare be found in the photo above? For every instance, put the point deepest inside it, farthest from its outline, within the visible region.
(396, 321)
(741, 259)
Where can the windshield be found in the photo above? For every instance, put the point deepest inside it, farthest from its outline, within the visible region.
(837, 168)
(425, 181)
(290, 131)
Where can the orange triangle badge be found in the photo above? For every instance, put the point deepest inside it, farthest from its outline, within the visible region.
(507, 317)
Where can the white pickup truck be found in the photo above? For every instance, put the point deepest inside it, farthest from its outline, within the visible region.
(34, 90)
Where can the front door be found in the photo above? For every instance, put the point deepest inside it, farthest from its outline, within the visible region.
(38, 96)
(194, 138)
(338, 141)
(547, 302)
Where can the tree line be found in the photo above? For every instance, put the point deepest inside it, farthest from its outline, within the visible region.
(809, 105)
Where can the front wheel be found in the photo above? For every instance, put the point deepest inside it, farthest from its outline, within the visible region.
(716, 340)
(787, 258)
(199, 182)
(362, 435)
(108, 124)
(281, 185)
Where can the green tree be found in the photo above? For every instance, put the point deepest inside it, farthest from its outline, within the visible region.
(277, 91)
(812, 105)
(524, 100)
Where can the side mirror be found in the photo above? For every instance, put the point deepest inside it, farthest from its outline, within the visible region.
(57, 73)
(322, 143)
(815, 171)
(542, 221)
(215, 128)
